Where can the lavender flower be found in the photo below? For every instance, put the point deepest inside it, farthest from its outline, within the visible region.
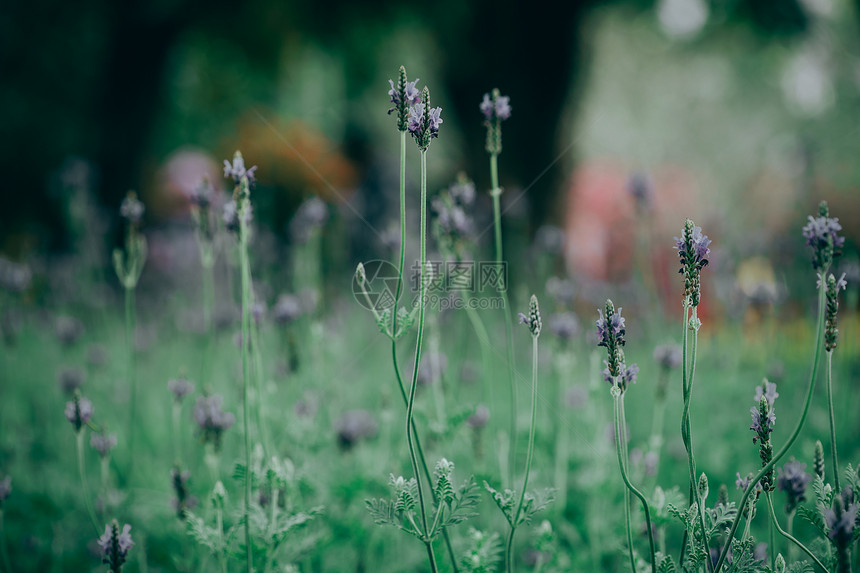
(424, 121)
(5, 489)
(479, 418)
(768, 391)
(115, 545)
(354, 426)
(818, 459)
(404, 95)
(564, 325)
(70, 379)
(180, 388)
(131, 209)
(793, 479)
(202, 195)
(212, 420)
(237, 170)
(821, 234)
(287, 309)
(831, 310)
(230, 216)
(533, 320)
(462, 191)
(183, 500)
(763, 420)
(841, 521)
(692, 250)
(641, 188)
(310, 216)
(14, 277)
(628, 376)
(79, 411)
(610, 328)
(668, 356)
(68, 329)
(495, 108)
(103, 443)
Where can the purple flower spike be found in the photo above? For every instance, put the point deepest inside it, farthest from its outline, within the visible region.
(793, 480)
(416, 118)
(435, 120)
(114, 545)
(413, 94)
(769, 392)
(237, 170)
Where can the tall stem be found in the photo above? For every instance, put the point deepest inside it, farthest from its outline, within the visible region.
(832, 419)
(7, 566)
(130, 325)
(246, 331)
(411, 404)
(496, 192)
(691, 460)
(622, 463)
(775, 524)
(529, 454)
(795, 433)
(79, 437)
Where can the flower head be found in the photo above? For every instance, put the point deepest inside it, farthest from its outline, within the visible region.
(841, 518)
(793, 479)
(641, 188)
(693, 251)
(287, 309)
(103, 443)
(230, 216)
(495, 108)
(114, 545)
(183, 500)
(404, 94)
(533, 320)
(831, 310)
(131, 209)
(768, 390)
(310, 216)
(70, 379)
(354, 426)
(610, 334)
(668, 356)
(237, 170)
(424, 121)
(479, 418)
(211, 420)
(821, 234)
(5, 489)
(79, 411)
(564, 325)
(180, 388)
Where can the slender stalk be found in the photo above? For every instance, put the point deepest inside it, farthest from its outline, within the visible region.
(772, 540)
(621, 441)
(79, 440)
(259, 370)
(684, 420)
(529, 454)
(424, 466)
(775, 524)
(829, 354)
(795, 433)
(246, 331)
(790, 529)
(130, 326)
(496, 193)
(177, 446)
(691, 460)
(411, 404)
(219, 524)
(7, 566)
(622, 464)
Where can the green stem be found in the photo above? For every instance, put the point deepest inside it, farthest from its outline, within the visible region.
(418, 447)
(621, 439)
(829, 354)
(529, 455)
(246, 330)
(79, 440)
(691, 460)
(496, 193)
(411, 403)
(219, 524)
(775, 523)
(259, 370)
(684, 421)
(622, 464)
(177, 447)
(795, 433)
(130, 325)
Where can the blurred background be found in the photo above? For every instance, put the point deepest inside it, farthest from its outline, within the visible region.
(738, 113)
(628, 117)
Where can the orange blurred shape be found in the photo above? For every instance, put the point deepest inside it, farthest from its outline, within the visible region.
(291, 154)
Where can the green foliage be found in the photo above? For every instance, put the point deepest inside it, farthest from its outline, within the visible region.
(484, 554)
(533, 503)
